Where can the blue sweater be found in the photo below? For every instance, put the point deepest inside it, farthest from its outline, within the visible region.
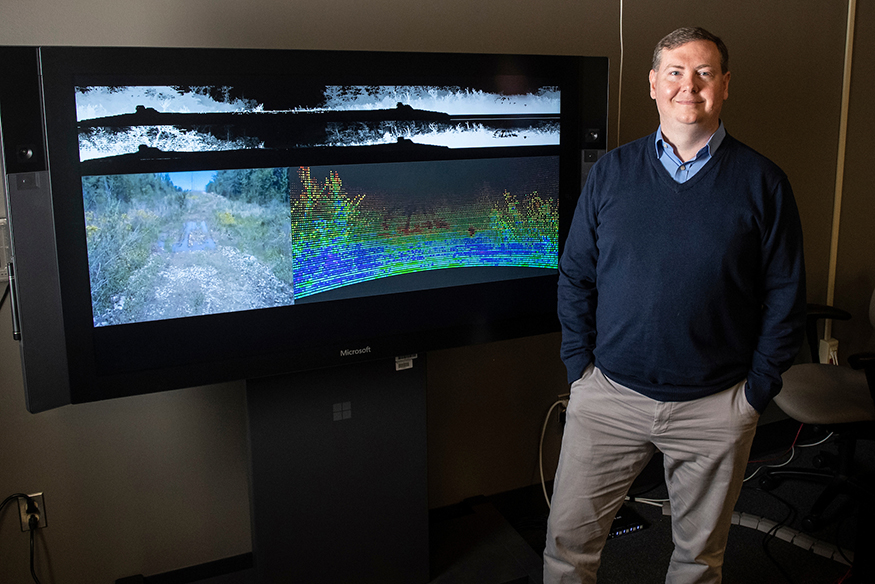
(679, 291)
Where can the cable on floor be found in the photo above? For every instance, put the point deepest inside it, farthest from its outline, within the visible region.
(556, 404)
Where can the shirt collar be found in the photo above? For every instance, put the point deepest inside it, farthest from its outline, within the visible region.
(713, 142)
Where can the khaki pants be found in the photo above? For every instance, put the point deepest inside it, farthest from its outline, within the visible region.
(611, 432)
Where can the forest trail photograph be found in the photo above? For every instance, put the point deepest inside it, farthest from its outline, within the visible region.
(168, 252)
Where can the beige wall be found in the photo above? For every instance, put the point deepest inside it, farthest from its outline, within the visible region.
(158, 482)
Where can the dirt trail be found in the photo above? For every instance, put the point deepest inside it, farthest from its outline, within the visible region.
(211, 281)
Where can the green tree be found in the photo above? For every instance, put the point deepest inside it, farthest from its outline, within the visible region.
(251, 185)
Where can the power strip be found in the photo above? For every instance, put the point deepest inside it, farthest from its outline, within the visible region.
(626, 521)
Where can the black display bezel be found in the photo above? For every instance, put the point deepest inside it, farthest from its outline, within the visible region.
(123, 360)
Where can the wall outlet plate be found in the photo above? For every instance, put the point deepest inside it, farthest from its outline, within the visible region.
(40, 503)
(828, 350)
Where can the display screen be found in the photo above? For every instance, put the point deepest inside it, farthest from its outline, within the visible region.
(178, 244)
(184, 217)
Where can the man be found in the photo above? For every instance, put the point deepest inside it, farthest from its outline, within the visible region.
(682, 300)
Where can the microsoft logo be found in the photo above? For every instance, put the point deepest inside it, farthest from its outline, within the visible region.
(351, 352)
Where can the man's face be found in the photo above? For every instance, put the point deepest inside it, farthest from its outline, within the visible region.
(689, 87)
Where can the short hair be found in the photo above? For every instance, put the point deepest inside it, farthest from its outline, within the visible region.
(686, 35)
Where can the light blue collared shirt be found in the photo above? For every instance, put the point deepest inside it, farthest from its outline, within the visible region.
(684, 171)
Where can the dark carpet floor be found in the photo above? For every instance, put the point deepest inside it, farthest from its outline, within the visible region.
(500, 539)
(755, 552)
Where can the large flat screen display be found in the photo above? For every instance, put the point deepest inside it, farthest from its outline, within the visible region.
(188, 216)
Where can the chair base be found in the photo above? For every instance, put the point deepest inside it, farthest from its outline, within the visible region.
(859, 490)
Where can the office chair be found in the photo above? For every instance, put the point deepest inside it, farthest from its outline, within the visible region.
(839, 399)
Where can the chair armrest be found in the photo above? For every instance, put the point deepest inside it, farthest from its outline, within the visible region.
(862, 360)
(866, 362)
(818, 311)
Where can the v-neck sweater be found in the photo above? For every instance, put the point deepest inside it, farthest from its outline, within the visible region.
(681, 290)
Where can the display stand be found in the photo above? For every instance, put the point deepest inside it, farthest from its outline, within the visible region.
(338, 475)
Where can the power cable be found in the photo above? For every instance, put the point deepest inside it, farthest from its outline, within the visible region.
(33, 520)
(563, 403)
(772, 534)
(620, 85)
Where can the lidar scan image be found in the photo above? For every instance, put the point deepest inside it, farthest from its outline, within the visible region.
(123, 120)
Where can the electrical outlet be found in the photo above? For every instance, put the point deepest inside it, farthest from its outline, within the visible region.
(829, 351)
(38, 506)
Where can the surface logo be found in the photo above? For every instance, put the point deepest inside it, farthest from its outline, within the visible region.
(342, 411)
